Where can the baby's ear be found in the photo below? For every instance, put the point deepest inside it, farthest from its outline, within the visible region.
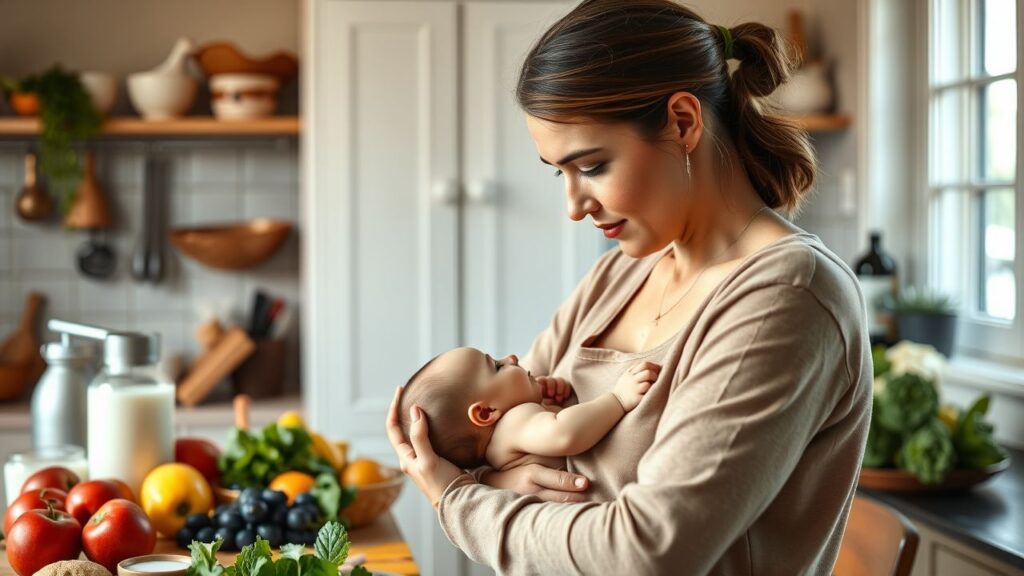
(480, 414)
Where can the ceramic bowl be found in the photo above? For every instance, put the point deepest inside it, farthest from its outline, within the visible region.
(895, 480)
(161, 95)
(102, 88)
(243, 96)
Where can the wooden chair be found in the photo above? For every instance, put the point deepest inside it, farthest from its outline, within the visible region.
(879, 541)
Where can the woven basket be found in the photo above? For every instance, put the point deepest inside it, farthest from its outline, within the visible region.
(373, 500)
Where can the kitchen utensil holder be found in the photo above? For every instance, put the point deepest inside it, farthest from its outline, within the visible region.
(262, 373)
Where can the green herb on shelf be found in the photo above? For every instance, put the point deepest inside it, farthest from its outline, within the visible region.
(253, 460)
(66, 116)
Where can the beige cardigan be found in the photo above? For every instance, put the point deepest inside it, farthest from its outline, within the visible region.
(741, 459)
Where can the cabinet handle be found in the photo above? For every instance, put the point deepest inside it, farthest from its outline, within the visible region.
(446, 191)
(482, 191)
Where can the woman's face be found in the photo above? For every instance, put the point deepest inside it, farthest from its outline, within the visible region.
(633, 189)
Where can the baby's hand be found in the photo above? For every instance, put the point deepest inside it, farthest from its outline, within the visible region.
(554, 388)
(635, 382)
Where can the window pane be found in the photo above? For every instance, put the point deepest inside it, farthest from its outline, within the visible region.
(947, 41)
(949, 140)
(998, 289)
(950, 248)
(999, 126)
(1000, 29)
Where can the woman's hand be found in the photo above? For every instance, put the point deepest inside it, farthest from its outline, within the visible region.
(417, 459)
(541, 481)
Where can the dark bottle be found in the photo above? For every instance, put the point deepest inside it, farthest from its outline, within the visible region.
(876, 272)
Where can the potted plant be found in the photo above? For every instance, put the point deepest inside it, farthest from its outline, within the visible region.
(66, 114)
(925, 317)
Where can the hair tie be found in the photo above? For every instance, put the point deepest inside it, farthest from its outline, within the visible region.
(727, 37)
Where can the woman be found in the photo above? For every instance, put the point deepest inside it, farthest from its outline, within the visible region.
(743, 456)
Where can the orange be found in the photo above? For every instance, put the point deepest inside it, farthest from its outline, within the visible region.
(293, 483)
(362, 472)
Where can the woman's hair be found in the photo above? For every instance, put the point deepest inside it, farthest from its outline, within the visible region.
(620, 61)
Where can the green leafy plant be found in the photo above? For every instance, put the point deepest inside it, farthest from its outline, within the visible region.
(66, 115)
(910, 429)
(256, 559)
(919, 301)
(250, 460)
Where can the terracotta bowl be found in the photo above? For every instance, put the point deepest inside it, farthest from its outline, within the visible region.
(24, 103)
(370, 503)
(232, 246)
(895, 480)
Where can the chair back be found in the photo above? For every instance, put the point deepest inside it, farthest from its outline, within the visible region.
(879, 541)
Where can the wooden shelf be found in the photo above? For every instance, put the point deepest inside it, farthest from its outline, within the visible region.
(202, 126)
(824, 122)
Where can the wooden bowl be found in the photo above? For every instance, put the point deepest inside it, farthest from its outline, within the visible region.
(232, 246)
(225, 58)
(895, 480)
(373, 500)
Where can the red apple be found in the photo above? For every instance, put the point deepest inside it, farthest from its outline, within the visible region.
(86, 498)
(57, 477)
(41, 537)
(200, 454)
(117, 531)
(34, 500)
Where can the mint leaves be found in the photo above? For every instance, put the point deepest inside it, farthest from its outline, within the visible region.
(257, 559)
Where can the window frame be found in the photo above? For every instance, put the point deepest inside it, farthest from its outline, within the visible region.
(979, 337)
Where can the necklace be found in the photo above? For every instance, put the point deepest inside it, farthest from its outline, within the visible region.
(646, 332)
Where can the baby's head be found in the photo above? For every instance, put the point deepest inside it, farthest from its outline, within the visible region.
(464, 392)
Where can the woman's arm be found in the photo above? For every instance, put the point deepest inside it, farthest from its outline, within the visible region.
(733, 431)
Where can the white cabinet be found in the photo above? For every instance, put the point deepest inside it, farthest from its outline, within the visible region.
(431, 221)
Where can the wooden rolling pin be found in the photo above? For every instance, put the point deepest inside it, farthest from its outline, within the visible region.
(231, 350)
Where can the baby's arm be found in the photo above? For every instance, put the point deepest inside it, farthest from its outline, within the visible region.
(577, 428)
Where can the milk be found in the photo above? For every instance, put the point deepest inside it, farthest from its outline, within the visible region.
(131, 428)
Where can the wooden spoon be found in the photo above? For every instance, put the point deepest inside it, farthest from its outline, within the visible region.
(22, 346)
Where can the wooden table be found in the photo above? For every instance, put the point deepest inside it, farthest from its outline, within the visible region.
(381, 542)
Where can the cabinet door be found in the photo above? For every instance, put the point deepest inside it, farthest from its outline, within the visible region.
(381, 205)
(522, 255)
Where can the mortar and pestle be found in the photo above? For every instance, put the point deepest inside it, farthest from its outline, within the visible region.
(21, 364)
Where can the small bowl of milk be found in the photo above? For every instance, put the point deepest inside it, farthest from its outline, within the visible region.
(154, 565)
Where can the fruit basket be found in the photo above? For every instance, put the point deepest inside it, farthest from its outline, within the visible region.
(373, 500)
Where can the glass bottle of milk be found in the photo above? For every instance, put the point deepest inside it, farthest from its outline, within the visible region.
(131, 411)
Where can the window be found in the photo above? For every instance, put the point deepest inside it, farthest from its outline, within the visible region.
(975, 197)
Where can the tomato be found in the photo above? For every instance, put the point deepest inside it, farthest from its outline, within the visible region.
(200, 454)
(86, 498)
(41, 537)
(117, 531)
(57, 477)
(34, 500)
(172, 492)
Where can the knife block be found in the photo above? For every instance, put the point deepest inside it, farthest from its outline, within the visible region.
(262, 373)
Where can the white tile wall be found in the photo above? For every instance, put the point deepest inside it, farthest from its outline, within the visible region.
(205, 182)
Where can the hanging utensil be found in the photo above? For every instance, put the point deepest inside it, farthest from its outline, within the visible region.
(147, 261)
(96, 258)
(33, 204)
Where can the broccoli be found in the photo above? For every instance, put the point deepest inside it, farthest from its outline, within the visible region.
(928, 452)
(906, 402)
(882, 444)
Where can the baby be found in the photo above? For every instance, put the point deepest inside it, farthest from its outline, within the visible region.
(481, 410)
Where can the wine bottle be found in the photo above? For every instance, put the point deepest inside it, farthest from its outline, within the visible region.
(876, 272)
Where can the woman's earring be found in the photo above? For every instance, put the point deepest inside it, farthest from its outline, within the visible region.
(687, 148)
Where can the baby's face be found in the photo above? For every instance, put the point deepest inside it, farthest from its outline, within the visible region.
(502, 383)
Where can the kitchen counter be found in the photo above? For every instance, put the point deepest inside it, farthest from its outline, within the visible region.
(381, 542)
(988, 518)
